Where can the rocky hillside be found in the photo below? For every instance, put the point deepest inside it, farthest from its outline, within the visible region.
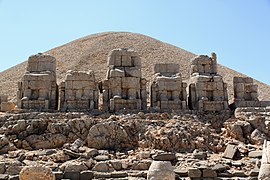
(90, 53)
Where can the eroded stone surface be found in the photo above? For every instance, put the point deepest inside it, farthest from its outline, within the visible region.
(38, 88)
(246, 93)
(124, 88)
(79, 92)
(207, 91)
(167, 91)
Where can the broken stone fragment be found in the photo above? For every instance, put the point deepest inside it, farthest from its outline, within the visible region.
(160, 170)
(231, 152)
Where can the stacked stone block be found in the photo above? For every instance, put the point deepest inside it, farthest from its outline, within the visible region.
(207, 91)
(79, 91)
(246, 93)
(167, 91)
(38, 89)
(124, 88)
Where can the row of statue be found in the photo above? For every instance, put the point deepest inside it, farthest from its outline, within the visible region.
(125, 89)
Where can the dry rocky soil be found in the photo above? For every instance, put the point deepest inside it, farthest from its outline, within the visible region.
(107, 146)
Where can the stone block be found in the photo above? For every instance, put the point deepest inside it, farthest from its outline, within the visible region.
(41, 62)
(131, 83)
(115, 82)
(126, 61)
(72, 175)
(231, 152)
(209, 173)
(86, 175)
(164, 157)
(194, 173)
(83, 85)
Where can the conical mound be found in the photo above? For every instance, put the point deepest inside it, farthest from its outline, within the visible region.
(90, 53)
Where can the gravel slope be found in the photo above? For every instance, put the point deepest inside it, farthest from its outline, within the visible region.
(90, 53)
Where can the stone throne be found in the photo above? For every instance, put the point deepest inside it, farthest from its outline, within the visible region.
(79, 91)
(246, 93)
(167, 91)
(38, 89)
(207, 91)
(124, 88)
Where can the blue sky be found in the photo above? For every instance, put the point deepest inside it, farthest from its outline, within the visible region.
(237, 30)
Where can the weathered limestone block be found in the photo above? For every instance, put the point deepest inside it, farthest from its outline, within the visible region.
(123, 89)
(38, 89)
(207, 91)
(36, 173)
(79, 91)
(167, 91)
(161, 170)
(264, 173)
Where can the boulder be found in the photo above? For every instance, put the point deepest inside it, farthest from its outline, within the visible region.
(108, 135)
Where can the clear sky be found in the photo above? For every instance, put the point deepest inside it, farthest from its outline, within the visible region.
(237, 30)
